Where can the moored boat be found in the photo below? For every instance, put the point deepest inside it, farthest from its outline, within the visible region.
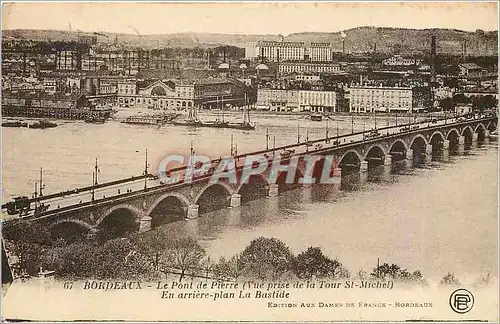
(95, 119)
(42, 124)
(14, 124)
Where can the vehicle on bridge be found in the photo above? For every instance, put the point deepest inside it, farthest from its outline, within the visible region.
(18, 206)
(374, 133)
(404, 129)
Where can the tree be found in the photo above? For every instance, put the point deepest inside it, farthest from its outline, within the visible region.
(266, 258)
(115, 259)
(394, 272)
(447, 104)
(153, 245)
(313, 262)
(482, 103)
(184, 254)
(228, 268)
(449, 280)
(26, 242)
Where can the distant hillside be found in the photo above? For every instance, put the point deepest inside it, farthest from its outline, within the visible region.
(362, 39)
(388, 40)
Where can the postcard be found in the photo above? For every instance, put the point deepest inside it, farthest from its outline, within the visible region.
(250, 161)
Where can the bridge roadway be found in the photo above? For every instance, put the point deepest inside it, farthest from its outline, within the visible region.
(120, 191)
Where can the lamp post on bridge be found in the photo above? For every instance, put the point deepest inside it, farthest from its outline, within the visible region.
(232, 145)
(146, 165)
(267, 139)
(35, 195)
(298, 133)
(96, 170)
(42, 185)
(274, 144)
(364, 128)
(92, 191)
(352, 123)
(327, 140)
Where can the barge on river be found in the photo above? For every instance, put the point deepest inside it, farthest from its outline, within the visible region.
(151, 119)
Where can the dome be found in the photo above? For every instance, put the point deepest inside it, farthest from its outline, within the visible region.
(224, 66)
(261, 66)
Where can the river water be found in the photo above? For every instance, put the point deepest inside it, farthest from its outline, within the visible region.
(439, 219)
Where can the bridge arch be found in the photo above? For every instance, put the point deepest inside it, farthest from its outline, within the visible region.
(436, 140)
(118, 221)
(479, 127)
(467, 128)
(451, 131)
(398, 143)
(283, 185)
(375, 158)
(350, 164)
(255, 187)
(397, 151)
(467, 133)
(213, 196)
(69, 230)
(374, 148)
(453, 137)
(418, 145)
(435, 135)
(170, 207)
(481, 132)
(492, 126)
(350, 155)
(419, 138)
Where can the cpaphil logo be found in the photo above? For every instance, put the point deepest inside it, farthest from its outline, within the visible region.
(461, 301)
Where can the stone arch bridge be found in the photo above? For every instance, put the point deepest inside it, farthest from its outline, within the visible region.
(356, 160)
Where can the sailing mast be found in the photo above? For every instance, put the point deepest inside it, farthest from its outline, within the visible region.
(218, 110)
(222, 107)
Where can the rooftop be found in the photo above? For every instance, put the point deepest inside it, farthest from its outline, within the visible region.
(470, 66)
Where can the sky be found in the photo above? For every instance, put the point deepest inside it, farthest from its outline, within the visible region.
(247, 18)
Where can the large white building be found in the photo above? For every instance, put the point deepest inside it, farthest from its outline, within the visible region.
(297, 100)
(388, 99)
(312, 67)
(289, 51)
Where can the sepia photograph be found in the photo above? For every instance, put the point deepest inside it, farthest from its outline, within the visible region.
(249, 161)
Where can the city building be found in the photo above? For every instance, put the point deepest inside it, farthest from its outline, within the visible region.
(470, 69)
(388, 99)
(275, 51)
(67, 60)
(311, 67)
(181, 95)
(398, 60)
(297, 100)
(307, 77)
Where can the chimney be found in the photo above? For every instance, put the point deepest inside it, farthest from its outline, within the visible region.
(433, 58)
(464, 48)
(224, 55)
(343, 46)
